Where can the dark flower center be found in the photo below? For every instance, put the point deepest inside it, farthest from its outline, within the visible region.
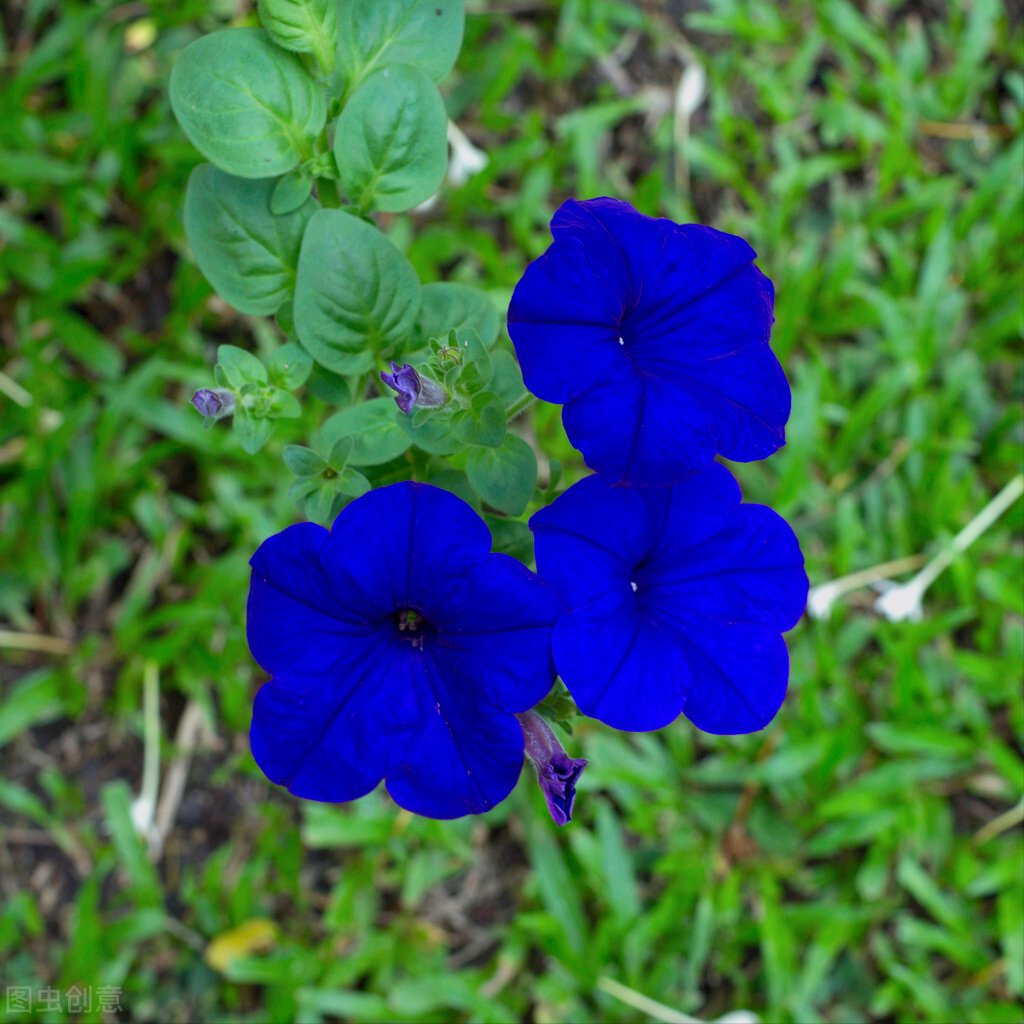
(409, 620)
(412, 626)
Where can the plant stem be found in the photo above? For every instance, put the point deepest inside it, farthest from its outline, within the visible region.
(522, 402)
(328, 193)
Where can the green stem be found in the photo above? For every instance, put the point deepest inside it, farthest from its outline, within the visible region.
(326, 188)
(521, 403)
(151, 731)
(328, 193)
(357, 386)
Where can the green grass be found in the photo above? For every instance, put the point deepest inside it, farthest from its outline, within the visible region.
(827, 869)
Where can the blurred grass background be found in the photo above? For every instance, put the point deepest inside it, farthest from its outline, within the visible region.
(859, 860)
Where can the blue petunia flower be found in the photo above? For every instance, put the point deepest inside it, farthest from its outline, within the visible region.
(400, 648)
(655, 337)
(678, 596)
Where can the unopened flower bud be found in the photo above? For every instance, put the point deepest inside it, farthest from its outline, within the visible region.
(413, 390)
(216, 402)
(556, 771)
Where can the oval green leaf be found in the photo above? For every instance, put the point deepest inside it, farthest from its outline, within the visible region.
(240, 367)
(302, 461)
(506, 377)
(289, 366)
(303, 26)
(483, 424)
(290, 192)
(434, 436)
(253, 433)
(356, 295)
(391, 140)
(328, 387)
(247, 253)
(448, 304)
(505, 477)
(377, 33)
(247, 106)
(376, 437)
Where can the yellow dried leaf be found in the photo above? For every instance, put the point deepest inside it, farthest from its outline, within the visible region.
(257, 935)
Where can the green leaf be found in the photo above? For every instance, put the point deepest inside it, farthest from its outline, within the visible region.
(620, 889)
(285, 317)
(558, 893)
(289, 366)
(1010, 918)
(472, 371)
(483, 424)
(510, 536)
(328, 387)
(434, 435)
(31, 701)
(455, 480)
(240, 367)
(245, 105)
(290, 192)
(352, 482)
(302, 461)
(475, 364)
(506, 377)
(356, 294)
(448, 304)
(77, 336)
(504, 477)
(252, 433)
(303, 26)
(247, 253)
(379, 33)
(299, 490)
(116, 799)
(554, 475)
(339, 454)
(376, 437)
(283, 405)
(391, 140)
(323, 504)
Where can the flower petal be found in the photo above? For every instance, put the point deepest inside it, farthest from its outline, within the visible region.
(620, 667)
(411, 543)
(589, 539)
(740, 671)
(564, 323)
(499, 637)
(463, 757)
(323, 739)
(659, 266)
(716, 347)
(603, 228)
(304, 611)
(751, 570)
(636, 428)
(695, 510)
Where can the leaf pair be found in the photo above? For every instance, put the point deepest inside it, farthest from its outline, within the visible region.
(357, 298)
(252, 108)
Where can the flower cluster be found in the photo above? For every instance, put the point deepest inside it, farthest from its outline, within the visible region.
(400, 648)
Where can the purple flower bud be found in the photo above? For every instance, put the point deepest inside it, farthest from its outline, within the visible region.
(556, 771)
(413, 389)
(216, 402)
